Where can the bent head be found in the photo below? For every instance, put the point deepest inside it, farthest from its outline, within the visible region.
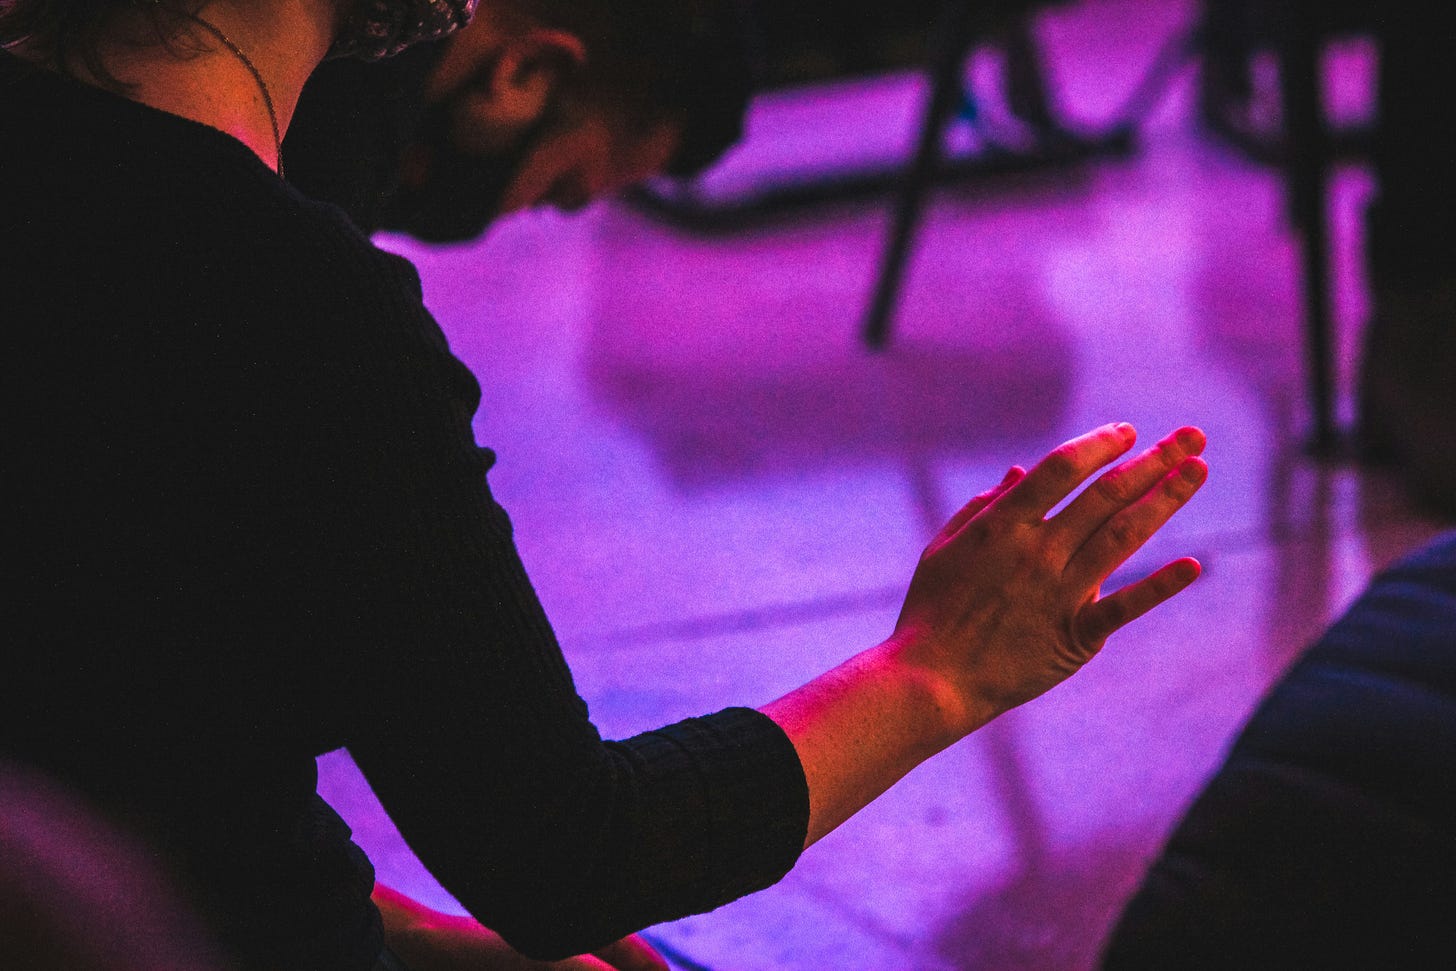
(560, 101)
(578, 98)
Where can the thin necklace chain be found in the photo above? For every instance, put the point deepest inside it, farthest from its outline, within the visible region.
(257, 76)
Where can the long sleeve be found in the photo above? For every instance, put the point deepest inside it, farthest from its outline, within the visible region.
(463, 715)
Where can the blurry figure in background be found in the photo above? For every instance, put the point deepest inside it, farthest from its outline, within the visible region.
(536, 102)
(77, 895)
(1408, 381)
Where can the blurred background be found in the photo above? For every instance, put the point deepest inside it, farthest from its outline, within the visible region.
(720, 487)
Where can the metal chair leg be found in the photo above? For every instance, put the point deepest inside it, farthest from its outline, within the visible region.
(1308, 194)
(953, 40)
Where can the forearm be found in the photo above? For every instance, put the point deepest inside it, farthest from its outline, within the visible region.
(862, 726)
(572, 853)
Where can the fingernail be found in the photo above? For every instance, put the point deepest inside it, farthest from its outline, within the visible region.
(1191, 439)
(1125, 430)
(1011, 473)
(1193, 471)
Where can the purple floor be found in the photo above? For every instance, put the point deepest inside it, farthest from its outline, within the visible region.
(720, 493)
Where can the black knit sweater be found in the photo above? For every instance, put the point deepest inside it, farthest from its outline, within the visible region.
(246, 523)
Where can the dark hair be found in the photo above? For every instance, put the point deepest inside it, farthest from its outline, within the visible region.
(67, 32)
(690, 62)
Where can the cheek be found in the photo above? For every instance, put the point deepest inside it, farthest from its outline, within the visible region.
(541, 171)
(597, 162)
(574, 168)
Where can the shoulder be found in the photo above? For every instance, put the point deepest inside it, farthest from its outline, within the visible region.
(190, 248)
(324, 248)
(321, 297)
(284, 267)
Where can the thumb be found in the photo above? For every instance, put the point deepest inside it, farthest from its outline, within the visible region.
(973, 508)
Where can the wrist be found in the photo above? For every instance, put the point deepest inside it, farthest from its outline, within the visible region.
(939, 686)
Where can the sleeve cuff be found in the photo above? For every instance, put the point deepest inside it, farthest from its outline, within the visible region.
(757, 800)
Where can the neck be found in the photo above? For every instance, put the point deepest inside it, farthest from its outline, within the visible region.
(284, 39)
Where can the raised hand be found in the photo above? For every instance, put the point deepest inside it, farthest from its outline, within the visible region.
(1006, 601)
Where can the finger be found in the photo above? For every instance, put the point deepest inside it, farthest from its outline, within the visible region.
(1123, 534)
(1115, 490)
(1067, 467)
(968, 512)
(1098, 620)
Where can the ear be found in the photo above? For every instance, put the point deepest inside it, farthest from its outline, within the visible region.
(531, 67)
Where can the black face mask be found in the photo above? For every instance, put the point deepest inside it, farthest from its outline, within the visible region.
(454, 194)
(380, 28)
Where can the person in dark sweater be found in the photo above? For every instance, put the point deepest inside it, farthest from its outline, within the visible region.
(535, 103)
(245, 522)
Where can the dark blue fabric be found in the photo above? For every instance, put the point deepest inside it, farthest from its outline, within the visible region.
(1328, 837)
